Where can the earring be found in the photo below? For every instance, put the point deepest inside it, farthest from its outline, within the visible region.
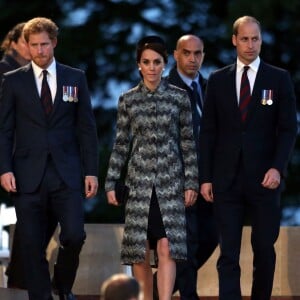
(140, 69)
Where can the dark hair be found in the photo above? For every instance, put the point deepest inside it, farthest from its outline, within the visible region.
(154, 43)
(12, 36)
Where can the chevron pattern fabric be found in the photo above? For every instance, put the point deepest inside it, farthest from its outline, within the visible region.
(154, 129)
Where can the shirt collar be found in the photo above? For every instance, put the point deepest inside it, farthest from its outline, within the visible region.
(254, 65)
(188, 81)
(38, 70)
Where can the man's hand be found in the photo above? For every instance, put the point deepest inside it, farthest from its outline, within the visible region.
(8, 182)
(91, 186)
(271, 179)
(207, 192)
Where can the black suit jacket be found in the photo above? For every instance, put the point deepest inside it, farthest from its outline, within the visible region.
(265, 140)
(27, 137)
(175, 79)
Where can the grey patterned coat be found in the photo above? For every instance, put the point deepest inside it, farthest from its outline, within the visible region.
(158, 125)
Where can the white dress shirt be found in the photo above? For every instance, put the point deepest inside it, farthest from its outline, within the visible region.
(251, 74)
(51, 77)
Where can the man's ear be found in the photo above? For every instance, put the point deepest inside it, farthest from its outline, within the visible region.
(175, 54)
(233, 39)
(54, 42)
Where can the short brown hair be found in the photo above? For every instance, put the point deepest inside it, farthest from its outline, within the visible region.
(241, 20)
(38, 25)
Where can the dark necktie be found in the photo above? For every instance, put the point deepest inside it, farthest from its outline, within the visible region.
(196, 95)
(46, 97)
(195, 104)
(245, 94)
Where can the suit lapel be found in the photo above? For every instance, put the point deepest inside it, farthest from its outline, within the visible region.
(256, 93)
(230, 92)
(31, 89)
(59, 93)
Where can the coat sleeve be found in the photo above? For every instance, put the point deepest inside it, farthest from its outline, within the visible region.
(121, 146)
(7, 125)
(87, 130)
(208, 133)
(287, 123)
(188, 147)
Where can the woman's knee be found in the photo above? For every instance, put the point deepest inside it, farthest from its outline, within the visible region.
(163, 250)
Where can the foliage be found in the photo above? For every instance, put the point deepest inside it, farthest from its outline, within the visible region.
(100, 37)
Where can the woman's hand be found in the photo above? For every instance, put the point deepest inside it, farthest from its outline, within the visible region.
(190, 197)
(111, 198)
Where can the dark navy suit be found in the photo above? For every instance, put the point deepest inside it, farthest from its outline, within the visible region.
(49, 156)
(235, 156)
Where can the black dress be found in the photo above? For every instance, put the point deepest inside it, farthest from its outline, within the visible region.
(156, 229)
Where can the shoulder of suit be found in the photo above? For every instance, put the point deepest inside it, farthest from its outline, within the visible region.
(224, 71)
(268, 67)
(64, 67)
(175, 79)
(17, 71)
(5, 66)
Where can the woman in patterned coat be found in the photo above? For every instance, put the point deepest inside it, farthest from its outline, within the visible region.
(155, 135)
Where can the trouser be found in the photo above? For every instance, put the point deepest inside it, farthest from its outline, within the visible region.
(263, 208)
(32, 213)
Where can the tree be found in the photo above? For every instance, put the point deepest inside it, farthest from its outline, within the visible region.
(100, 37)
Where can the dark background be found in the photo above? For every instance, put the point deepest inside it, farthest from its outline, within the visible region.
(100, 36)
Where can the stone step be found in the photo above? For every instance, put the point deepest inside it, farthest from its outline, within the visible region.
(202, 298)
(100, 259)
(13, 294)
(81, 297)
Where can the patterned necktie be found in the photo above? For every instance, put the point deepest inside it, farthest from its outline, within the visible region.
(46, 97)
(245, 94)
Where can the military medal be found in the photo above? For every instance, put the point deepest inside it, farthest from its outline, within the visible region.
(65, 94)
(270, 97)
(75, 94)
(70, 92)
(267, 97)
(264, 96)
